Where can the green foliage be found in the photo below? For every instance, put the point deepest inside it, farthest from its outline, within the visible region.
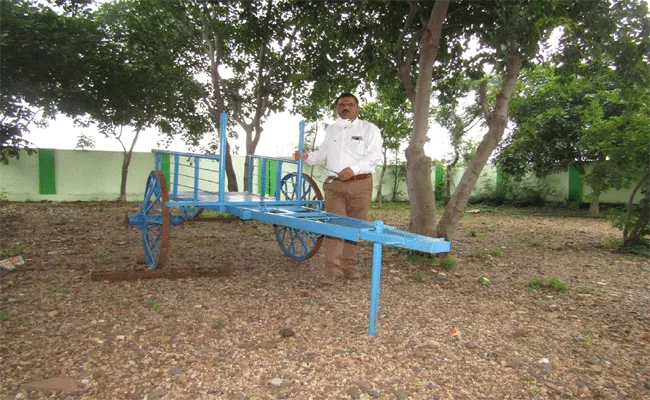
(44, 64)
(527, 192)
(5, 314)
(398, 172)
(618, 216)
(419, 257)
(62, 289)
(537, 282)
(154, 305)
(487, 253)
(448, 264)
(11, 252)
(210, 214)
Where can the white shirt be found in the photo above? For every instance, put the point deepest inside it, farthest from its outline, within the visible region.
(349, 144)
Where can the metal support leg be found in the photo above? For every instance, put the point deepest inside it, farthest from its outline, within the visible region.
(375, 281)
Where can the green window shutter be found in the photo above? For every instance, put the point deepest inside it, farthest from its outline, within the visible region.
(269, 174)
(272, 166)
(440, 182)
(575, 184)
(164, 167)
(500, 189)
(46, 172)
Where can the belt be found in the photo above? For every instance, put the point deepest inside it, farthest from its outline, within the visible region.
(354, 178)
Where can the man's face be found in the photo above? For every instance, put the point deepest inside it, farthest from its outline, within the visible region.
(347, 108)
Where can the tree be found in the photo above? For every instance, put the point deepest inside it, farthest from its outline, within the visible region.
(246, 51)
(458, 124)
(136, 82)
(418, 165)
(512, 41)
(592, 113)
(43, 67)
(394, 126)
(586, 121)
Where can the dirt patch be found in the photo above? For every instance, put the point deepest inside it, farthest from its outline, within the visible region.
(220, 332)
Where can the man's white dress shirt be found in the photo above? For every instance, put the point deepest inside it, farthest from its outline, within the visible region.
(354, 144)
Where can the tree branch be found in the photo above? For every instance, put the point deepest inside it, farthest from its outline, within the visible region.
(403, 54)
(483, 101)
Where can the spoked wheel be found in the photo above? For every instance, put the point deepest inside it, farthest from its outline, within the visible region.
(296, 243)
(190, 213)
(154, 220)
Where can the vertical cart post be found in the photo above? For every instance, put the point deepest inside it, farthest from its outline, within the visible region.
(223, 120)
(375, 281)
(301, 148)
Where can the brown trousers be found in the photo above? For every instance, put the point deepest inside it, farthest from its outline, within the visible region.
(351, 199)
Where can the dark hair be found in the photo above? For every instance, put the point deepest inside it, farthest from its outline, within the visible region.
(346, 95)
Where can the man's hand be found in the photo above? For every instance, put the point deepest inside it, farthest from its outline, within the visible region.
(346, 174)
(298, 155)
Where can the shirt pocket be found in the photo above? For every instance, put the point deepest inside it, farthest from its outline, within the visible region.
(356, 146)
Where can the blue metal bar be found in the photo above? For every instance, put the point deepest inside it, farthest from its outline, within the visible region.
(223, 121)
(375, 282)
(301, 147)
(196, 178)
(278, 180)
(175, 184)
(263, 173)
(158, 162)
(183, 154)
(251, 164)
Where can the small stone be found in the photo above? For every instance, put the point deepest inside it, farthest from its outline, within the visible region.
(354, 393)
(519, 333)
(57, 384)
(175, 370)
(287, 332)
(400, 395)
(471, 345)
(99, 373)
(275, 382)
(514, 363)
(269, 345)
(247, 345)
(156, 394)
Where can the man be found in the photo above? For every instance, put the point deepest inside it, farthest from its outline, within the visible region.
(350, 152)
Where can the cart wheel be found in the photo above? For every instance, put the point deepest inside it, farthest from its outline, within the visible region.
(296, 243)
(191, 213)
(156, 217)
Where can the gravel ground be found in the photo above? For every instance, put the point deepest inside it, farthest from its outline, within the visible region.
(260, 327)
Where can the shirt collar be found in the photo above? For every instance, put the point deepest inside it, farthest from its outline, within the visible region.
(343, 122)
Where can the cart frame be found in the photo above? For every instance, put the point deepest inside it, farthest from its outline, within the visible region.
(297, 215)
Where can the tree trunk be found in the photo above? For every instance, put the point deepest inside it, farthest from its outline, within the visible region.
(643, 219)
(450, 167)
(594, 206)
(396, 181)
(418, 165)
(381, 180)
(230, 171)
(126, 161)
(497, 122)
(125, 173)
(641, 225)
